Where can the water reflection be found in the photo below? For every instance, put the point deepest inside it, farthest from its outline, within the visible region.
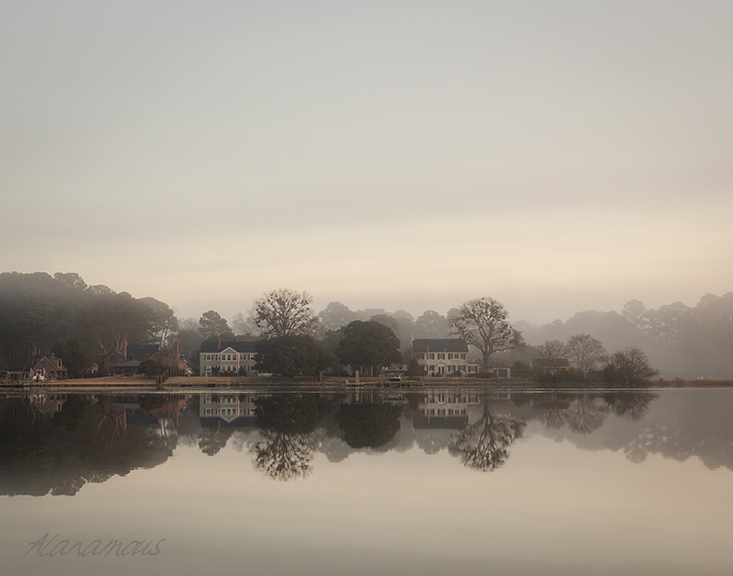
(484, 444)
(58, 443)
(289, 427)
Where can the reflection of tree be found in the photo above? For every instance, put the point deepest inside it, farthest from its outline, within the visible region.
(484, 445)
(288, 434)
(89, 440)
(554, 412)
(212, 441)
(285, 456)
(586, 413)
(629, 404)
(368, 425)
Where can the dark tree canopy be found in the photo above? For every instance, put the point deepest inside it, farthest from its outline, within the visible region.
(294, 355)
(368, 344)
(72, 355)
(213, 326)
(38, 311)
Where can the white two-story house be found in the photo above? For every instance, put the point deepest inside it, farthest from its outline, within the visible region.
(443, 356)
(227, 358)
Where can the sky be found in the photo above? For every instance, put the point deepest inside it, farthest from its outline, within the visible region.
(556, 156)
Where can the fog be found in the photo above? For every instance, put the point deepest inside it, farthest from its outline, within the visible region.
(557, 157)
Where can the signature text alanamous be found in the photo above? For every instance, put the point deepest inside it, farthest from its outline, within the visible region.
(49, 547)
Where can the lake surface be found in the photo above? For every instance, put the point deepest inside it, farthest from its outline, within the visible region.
(439, 481)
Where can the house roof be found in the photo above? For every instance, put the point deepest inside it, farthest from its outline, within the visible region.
(128, 364)
(212, 346)
(142, 349)
(51, 360)
(439, 345)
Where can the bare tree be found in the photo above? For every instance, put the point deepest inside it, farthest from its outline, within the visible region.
(483, 323)
(585, 352)
(284, 312)
(553, 350)
(630, 367)
(244, 325)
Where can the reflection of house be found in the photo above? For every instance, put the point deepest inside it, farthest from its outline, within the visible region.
(550, 365)
(443, 356)
(127, 359)
(49, 367)
(227, 357)
(238, 410)
(47, 404)
(445, 409)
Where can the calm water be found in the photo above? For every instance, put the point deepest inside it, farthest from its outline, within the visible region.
(436, 482)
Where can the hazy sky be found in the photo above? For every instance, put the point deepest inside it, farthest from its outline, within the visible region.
(558, 156)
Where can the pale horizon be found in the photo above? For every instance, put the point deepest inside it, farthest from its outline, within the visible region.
(557, 158)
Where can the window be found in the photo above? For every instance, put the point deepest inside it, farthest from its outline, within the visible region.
(208, 357)
(450, 356)
(431, 356)
(441, 356)
(463, 356)
(208, 367)
(421, 356)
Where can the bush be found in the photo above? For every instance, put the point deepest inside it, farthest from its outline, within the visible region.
(569, 375)
(414, 370)
(151, 368)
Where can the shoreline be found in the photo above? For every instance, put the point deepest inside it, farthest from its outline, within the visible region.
(199, 384)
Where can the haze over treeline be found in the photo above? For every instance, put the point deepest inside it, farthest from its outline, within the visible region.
(40, 313)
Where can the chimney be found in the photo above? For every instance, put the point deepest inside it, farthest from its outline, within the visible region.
(218, 344)
(124, 351)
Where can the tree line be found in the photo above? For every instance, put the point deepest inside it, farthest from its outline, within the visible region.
(681, 341)
(42, 313)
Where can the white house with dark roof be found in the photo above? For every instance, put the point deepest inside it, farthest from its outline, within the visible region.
(443, 356)
(227, 357)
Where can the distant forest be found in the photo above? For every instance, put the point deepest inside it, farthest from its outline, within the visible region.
(41, 313)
